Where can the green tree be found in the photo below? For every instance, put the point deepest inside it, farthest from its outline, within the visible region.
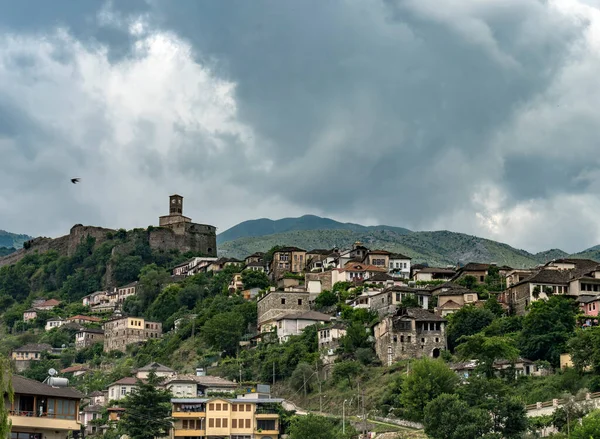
(410, 301)
(318, 427)
(147, 411)
(589, 427)
(547, 328)
(127, 268)
(325, 299)
(468, 281)
(165, 305)
(468, 320)
(303, 378)
(255, 279)
(487, 350)
(346, 370)
(494, 306)
(6, 394)
(427, 380)
(585, 349)
(447, 417)
(356, 337)
(224, 331)
(152, 281)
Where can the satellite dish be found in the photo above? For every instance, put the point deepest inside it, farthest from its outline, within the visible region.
(52, 372)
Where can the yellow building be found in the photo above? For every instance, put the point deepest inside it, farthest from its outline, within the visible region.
(225, 418)
(40, 411)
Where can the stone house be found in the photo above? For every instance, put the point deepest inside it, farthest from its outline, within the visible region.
(589, 305)
(287, 260)
(452, 297)
(277, 303)
(236, 283)
(86, 337)
(387, 300)
(255, 266)
(56, 322)
(356, 272)
(123, 331)
(378, 258)
(329, 335)
(47, 305)
(540, 285)
(410, 333)
(84, 319)
(428, 274)
(126, 291)
(293, 324)
(318, 282)
(479, 271)
(515, 276)
(521, 367)
(255, 258)
(222, 263)
(315, 258)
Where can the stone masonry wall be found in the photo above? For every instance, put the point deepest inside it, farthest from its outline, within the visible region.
(64, 246)
(270, 306)
(195, 238)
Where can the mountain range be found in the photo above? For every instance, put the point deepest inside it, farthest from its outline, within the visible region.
(12, 240)
(439, 248)
(436, 248)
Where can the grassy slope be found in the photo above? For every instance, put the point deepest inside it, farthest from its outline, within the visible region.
(435, 248)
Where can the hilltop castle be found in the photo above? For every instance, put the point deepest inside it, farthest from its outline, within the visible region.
(185, 235)
(175, 232)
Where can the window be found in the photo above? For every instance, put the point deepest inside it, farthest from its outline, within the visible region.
(224, 422)
(437, 340)
(299, 301)
(401, 339)
(295, 258)
(218, 422)
(234, 408)
(248, 407)
(247, 423)
(211, 423)
(234, 423)
(283, 301)
(481, 278)
(123, 390)
(408, 339)
(211, 407)
(395, 339)
(422, 340)
(218, 406)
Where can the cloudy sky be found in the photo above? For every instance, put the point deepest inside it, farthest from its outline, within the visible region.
(473, 116)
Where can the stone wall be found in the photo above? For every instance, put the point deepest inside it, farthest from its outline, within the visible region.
(270, 306)
(407, 344)
(64, 246)
(198, 238)
(325, 278)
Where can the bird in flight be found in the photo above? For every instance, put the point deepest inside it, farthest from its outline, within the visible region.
(75, 180)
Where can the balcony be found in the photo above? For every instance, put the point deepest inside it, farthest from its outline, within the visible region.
(267, 416)
(267, 432)
(189, 415)
(46, 422)
(194, 433)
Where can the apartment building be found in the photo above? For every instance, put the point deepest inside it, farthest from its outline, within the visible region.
(40, 411)
(120, 332)
(226, 418)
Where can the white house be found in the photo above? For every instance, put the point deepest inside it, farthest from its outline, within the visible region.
(54, 323)
(120, 389)
(159, 369)
(294, 324)
(399, 265)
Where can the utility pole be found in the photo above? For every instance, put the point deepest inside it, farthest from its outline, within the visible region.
(319, 381)
(364, 415)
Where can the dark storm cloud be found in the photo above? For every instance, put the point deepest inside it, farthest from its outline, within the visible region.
(404, 112)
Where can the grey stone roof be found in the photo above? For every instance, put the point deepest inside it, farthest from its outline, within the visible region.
(34, 347)
(420, 315)
(156, 367)
(26, 386)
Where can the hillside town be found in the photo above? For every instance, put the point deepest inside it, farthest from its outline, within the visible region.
(406, 308)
